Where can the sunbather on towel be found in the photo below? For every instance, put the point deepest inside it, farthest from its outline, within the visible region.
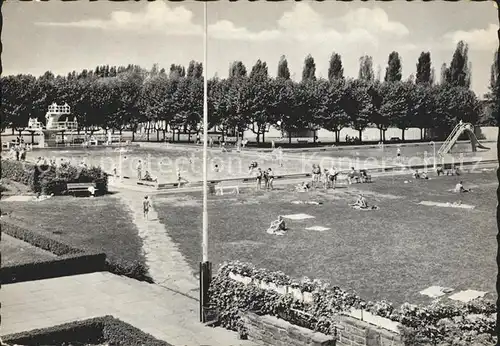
(460, 188)
(277, 226)
(360, 202)
(303, 187)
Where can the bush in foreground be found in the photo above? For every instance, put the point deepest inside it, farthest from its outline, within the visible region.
(49, 179)
(439, 323)
(93, 331)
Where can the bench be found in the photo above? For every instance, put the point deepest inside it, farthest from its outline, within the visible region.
(233, 189)
(79, 187)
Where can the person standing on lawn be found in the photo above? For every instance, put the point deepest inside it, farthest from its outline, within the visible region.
(146, 205)
(139, 170)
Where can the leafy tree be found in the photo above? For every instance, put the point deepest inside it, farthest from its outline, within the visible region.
(309, 70)
(380, 119)
(177, 71)
(335, 69)
(237, 69)
(492, 102)
(297, 95)
(458, 73)
(366, 68)
(259, 71)
(195, 70)
(330, 107)
(283, 71)
(258, 98)
(424, 69)
(358, 105)
(393, 72)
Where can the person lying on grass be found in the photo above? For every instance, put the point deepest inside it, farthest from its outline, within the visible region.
(302, 187)
(460, 188)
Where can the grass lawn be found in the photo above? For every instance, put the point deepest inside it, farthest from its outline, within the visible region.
(101, 223)
(391, 253)
(15, 251)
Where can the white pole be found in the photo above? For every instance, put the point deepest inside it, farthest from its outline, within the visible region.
(205, 137)
(434, 154)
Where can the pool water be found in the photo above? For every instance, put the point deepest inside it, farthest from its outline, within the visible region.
(163, 163)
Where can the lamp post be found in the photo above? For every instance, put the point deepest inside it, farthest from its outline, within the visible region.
(205, 265)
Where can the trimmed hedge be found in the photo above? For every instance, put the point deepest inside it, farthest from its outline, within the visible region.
(53, 179)
(451, 323)
(73, 260)
(106, 329)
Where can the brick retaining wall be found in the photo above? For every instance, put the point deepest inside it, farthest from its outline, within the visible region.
(272, 331)
(353, 332)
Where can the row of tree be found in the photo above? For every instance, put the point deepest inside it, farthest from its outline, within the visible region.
(120, 98)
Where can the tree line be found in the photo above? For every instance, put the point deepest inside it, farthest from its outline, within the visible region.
(120, 98)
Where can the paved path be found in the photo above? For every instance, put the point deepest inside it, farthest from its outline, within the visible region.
(166, 264)
(155, 310)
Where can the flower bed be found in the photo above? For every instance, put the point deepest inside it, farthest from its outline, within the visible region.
(317, 305)
(51, 179)
(70, 261)
(100, 330)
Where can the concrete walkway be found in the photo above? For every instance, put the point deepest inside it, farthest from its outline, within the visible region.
(160, 312)
(166, 264)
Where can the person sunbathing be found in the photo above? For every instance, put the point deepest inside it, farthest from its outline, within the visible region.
(416, 175)
(460, 188)
(277, 226)
(148, 177)
(360, 202)
(303, 187)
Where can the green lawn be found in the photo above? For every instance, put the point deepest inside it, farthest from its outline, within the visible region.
(15, 251)
(102, 224)
(391, 253)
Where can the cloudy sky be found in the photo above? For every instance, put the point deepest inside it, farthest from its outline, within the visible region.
(62, 37)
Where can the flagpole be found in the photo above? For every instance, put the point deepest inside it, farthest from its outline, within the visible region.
(205, 267)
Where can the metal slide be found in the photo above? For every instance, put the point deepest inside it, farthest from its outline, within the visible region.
(456, 133)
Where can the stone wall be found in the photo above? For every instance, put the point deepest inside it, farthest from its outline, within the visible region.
(353, 332)
(272, 331)
(355, 327)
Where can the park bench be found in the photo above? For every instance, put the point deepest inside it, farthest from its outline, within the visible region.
(74, 188)
(233, 189)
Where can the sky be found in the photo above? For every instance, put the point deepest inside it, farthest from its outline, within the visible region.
(66, 36)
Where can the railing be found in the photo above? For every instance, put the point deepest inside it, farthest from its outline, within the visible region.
(62, 125)
(64, 109)
(451, 139)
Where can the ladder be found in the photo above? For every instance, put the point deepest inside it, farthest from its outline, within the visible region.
(452, 138)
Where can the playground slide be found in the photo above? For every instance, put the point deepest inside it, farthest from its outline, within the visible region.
(456, 133)
(475, 142)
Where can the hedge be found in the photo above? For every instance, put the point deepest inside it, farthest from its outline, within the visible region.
(97, 330)
(49, 179)
(72, 261)
(449, 323)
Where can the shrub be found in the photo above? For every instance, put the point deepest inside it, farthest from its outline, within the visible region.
(97, 330)
(449, 323)
(51, 179)
(135, 270)
(19, 171)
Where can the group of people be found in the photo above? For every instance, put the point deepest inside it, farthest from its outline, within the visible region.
(18, 151)
(265, 176)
